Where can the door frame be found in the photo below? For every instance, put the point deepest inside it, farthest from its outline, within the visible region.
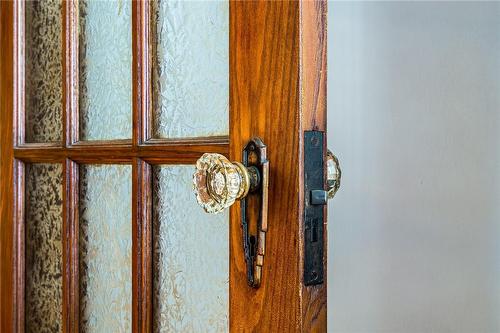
(277, 91)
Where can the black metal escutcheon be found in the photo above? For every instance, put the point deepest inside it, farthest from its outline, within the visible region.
(315, 198)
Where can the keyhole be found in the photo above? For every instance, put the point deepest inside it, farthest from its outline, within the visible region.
(314, 231)
(252, 246)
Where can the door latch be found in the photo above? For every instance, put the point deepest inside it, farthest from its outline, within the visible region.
(317, 192)
(218, 183)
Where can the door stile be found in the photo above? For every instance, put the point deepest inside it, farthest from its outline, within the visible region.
(277, 92)
(9, 210)
(264, 102)
(141, 247)
(313, 73)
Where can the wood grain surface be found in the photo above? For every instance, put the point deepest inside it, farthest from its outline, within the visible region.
(8, 315)
(277, 91)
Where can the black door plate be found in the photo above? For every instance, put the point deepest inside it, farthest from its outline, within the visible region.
(314, 201)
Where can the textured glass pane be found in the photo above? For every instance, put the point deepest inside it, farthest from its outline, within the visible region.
(105, 248)
(43, 248)
(190, 257)
(43, 70)
(190, 68)
(105, 69)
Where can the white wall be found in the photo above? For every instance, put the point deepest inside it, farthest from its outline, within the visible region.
(414, 116)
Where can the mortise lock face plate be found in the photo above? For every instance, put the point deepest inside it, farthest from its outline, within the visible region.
(315, 199)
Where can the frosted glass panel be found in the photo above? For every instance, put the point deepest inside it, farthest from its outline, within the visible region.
(190, 257)
(105, 47)
(43, 248)
(105, 248)
(190, 68)
(43, 70)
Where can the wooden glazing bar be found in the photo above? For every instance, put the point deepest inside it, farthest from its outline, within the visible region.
(18, 86)
(19, 227)
(106, 154)
(70, 72)
(70, 246)
(140, 72)
(141, 247)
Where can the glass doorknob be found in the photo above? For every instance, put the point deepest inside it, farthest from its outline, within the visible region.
(218, 183)
(333, 174)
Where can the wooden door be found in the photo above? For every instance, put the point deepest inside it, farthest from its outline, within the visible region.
(276, 91)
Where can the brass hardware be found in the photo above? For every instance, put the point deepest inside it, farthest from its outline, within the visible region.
(218, 183)
(333, 174)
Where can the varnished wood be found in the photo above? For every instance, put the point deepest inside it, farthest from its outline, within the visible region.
(276, 92)
(70, 247)
(70, 72)
(19, 77)
(19, 243)
(170, 153)
(313, 39)
(141, 247)
(141, 90)
(8, 209)
(137, 67)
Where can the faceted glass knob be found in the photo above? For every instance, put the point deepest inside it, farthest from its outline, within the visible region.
(218, 182)
(333, 174)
